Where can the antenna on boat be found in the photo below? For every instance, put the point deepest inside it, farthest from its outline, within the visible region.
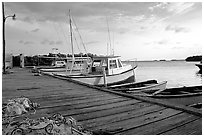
(113, 44)
(107, 49)
(108, 33)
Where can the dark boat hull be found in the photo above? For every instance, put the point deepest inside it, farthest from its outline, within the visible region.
(184, 95)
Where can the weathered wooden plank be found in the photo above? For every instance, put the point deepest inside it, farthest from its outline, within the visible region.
(98, 114)
(47, 94)
(69, 110)
(82, 109)
(38, 89)
(162, 125)
(191, 128)
(73, 97)
(138, 120)
(89, 102)
(67, 96)
(44, 111)
(33, 88)
(117, 117)
(83, 99)
(37, 81)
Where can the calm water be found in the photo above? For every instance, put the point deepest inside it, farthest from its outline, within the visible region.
(176, 73)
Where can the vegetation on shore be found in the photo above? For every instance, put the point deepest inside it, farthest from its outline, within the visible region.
(45, 60)
(194, 58)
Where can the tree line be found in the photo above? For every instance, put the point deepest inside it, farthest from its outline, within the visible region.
(37, 60)
(194, 58)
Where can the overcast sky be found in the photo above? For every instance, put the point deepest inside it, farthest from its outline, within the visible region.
(146, 31)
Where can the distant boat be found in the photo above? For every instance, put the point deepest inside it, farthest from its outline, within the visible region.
(105, 70)
(150, 87)
(199, 66)
(162, 60)
(63, 66)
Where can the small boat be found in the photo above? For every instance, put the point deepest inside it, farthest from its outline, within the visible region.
(104, 70)
(150, 87)
(188, 96)
(180, 92)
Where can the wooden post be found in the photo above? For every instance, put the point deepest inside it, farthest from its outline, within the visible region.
(104, 77)
(4, 19)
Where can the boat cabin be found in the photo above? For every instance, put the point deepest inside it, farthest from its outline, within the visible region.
(80, 63)
(112, 65)
(79, 60)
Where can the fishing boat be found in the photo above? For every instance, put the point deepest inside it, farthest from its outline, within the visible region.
(151, 87)
(104, 70)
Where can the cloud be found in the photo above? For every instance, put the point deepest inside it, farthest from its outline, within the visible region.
(59, 42)
(162, 42)
(58, 11)
(159, 5)
(180, 7)
(35, 30)
(26, 42)
(156, 43)
(176, 29)
(177, 47)
(173, 7)
(143, 27)
(91, 42)
(123, 30)
(26, 19)
(21, 41)
(51, 42)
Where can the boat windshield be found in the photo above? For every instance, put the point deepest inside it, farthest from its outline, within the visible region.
(113, 64)
(96, 63)
(120, 63)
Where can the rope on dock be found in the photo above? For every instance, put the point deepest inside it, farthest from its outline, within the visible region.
(52, 125)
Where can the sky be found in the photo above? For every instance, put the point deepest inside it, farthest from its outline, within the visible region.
(132, 30)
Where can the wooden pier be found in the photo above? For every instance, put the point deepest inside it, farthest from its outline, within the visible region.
(101, 111)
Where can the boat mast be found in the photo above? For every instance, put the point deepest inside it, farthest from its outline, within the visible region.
(109, 34)
(70, 22)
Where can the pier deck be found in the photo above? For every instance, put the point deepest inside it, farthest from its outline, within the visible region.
(101, 111)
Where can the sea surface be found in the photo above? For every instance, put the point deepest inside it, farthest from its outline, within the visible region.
(176, 73)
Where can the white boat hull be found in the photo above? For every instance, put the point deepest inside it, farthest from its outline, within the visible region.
(59, 70)
(128, 75)
(155, 87)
